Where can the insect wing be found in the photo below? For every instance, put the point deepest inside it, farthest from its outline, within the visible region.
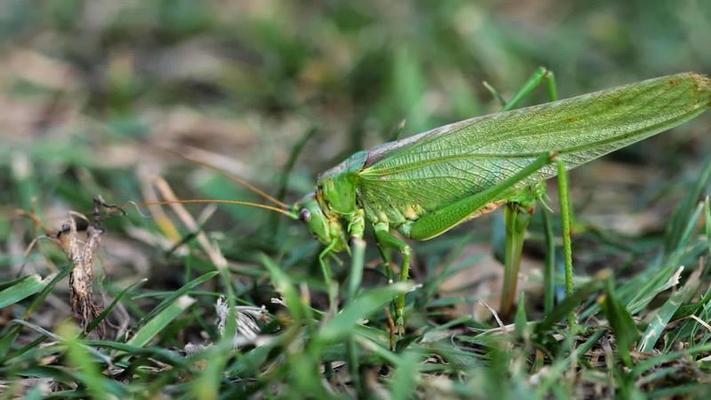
(435, 168)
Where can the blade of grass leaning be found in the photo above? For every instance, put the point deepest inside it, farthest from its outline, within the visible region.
(39, 300)
(691, 227)
(559, 367)
(8, 284)
(35, 393)
(694, 316)
(304, 376)
(549, 271)
(404, 381)
(646, 365)
(683, 211)
(567, 306)
(356, 276)
(90, 375)
(620, 321)
(249, 364)
(707, 219)
(275, 221)
(665, 279)
(668, 276)
(360, 308)
(23, 289)
(60, 374)
(160, 321)
(178, 293)
(22, 323)
(666, 312)
(8, 337)
(688, 391)
(113, 304)
(299, 311)
(159, 353)
(704, 314)
(207, 385)
(378, 349)
(521, 321)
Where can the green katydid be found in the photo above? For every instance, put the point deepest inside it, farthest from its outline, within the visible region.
(426, 184)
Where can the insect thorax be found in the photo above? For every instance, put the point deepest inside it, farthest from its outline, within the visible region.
(337, 187)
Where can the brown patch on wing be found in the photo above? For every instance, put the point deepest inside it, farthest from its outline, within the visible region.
(490, 207)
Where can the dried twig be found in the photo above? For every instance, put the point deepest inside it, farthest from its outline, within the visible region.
(81, 251)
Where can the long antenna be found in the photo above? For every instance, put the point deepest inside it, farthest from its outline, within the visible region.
(231, 202)
(233, 177)
(255, 189)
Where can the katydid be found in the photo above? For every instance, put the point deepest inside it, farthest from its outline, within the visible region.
(424, 185)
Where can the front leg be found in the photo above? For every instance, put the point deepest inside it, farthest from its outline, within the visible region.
(387, 241)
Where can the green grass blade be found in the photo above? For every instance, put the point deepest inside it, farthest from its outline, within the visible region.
(567, 306)
(566, 216)
(21, 290)
(664, 279)
(682, 213)
(646, 365)
(7, 284)
(521, 321)
(689, 229)
(178, 293)
(688, 391)
(80, 359)
(517, 218)
(707, 219)
(299, 311)
(356, 276)
(9, 335)
(362, 307)
(276, 220)
(113, 304)
(356, 273)
(549, 271)
(664, 315)
(160, 321)
(621, 322)
(158, 353)
(559, 367)
(207, 386)
(404, 382)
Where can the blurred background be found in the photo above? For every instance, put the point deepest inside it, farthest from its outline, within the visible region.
(97, 96)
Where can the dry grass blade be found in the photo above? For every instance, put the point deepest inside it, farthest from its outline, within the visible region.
(212, 251)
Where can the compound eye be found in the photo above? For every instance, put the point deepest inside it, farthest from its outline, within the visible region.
(305, 215)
